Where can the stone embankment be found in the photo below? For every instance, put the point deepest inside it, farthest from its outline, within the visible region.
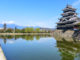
(67, 33)
(2, 56)
(63, 35)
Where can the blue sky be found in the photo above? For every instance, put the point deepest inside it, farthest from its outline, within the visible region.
(44, 13)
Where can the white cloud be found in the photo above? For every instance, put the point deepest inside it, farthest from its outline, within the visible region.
(76, 3)
(8, 22)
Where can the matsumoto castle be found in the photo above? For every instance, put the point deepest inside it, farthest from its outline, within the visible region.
(69, 19)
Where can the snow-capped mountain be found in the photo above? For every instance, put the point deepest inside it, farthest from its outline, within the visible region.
(17, 26)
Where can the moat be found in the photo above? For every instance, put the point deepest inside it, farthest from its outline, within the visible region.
(39, 48)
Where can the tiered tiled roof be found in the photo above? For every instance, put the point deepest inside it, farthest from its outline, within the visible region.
(69, 17)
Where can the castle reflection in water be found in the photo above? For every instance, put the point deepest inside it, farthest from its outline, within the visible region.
(69, 48)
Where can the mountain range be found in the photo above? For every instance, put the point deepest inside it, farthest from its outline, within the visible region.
(17, 26)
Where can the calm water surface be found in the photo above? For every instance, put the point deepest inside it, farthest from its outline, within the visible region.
(38, 48)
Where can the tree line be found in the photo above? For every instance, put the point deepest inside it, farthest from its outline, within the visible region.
(25, 30)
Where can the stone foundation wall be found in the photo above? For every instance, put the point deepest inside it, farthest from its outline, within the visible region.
(67, 33)
(60, 35)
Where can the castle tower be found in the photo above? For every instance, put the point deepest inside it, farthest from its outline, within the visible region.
(69, 18)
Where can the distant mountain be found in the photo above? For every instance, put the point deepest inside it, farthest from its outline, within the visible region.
(14, 25)
(17, 26)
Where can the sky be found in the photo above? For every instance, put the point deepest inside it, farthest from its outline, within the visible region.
(43, 13)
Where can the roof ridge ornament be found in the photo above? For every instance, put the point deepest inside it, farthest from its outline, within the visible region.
(68, 5)
(67, 2)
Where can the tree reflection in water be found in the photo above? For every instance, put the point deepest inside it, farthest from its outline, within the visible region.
(25, 37)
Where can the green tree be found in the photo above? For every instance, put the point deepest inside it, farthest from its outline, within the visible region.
(18, 31)
(37, 29)
(1, 30)
(9, 30)
(29, 30)
(23, 31)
